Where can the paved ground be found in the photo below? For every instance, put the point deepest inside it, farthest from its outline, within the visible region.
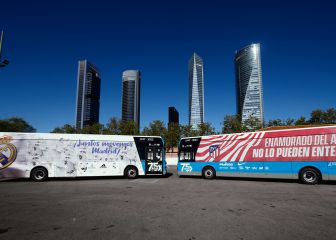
(166, 208)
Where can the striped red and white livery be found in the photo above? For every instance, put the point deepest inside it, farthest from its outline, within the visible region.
(232, 147)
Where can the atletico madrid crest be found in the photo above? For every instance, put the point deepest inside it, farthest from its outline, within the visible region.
(214, 151)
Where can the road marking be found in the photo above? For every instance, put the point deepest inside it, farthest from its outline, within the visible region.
(151, 181)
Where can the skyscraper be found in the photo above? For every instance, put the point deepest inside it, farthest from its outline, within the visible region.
(88, 94)
(249, 83)
(173, 115)
(5, 62)
(131, 96)
(196, 91)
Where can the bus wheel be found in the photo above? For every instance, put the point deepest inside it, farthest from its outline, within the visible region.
(131, 172)
(39, 174)
(310, 176)
(209, 173)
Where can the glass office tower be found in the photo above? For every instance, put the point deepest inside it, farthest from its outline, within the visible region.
(88, 94)
(196, 91)
(131, 96)
(173, 115)
(249, 83)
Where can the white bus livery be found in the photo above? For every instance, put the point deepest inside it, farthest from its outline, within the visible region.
(42, 155)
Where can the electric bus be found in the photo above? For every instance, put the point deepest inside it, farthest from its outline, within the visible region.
(307, 154)
(42, 155)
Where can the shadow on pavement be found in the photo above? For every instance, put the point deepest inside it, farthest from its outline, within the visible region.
(257, 179)
(85, 178)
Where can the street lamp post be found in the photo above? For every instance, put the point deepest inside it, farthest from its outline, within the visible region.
(5, 62)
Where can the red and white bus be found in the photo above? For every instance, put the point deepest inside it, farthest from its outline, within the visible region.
(308, 154)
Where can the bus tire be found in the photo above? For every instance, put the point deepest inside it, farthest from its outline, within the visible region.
(310, 176)
(39, 174)
(209, 173)
(131, 172)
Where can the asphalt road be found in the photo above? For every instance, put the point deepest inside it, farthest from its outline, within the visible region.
(166, 208)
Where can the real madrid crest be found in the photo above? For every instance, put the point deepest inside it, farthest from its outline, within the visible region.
(8, 152)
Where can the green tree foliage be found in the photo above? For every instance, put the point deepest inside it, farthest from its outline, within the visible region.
(275, 122)
(95, 128)
(289, 121)
(173, 135)
(279, 122)
(155, 128)
(205, 129)
(301, 121)
(329, 116)
(113, 127)
(251, 124)
(317, 116)
(128, 128)
(232, 124)
(15, 124)
(188, 131)
(67, 128)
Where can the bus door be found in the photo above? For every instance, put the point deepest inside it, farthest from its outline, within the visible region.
(153, 160)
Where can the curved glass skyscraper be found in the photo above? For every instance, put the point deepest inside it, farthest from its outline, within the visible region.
(131, 96)
(196, 91)
(88, 94)
(249, 83)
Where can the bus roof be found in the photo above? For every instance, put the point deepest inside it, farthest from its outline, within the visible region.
(276, 129)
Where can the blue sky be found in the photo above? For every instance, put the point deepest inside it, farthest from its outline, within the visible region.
(45, 39)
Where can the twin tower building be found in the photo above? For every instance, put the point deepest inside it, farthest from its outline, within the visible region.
(248, 90)
(88, 95)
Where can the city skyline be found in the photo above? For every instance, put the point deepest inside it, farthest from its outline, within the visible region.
(38, 84)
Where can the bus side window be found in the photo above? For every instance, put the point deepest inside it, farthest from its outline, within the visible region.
(187, 156)
(150, 156)
(158, 156)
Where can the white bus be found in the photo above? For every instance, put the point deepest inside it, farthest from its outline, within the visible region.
(42, 155)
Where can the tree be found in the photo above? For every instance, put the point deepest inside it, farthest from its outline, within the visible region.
(232, 124)
(279, 122)
(205, 129)
(275, 122)
(67, 128)
(95, 128)
(316, 116)
(155, 128)
(251, 124)
(128, 128)
(329, 116)
(173, 135)
(188, 131)
(301, 121)
(289, 122)
(113, 127)
(15, 124)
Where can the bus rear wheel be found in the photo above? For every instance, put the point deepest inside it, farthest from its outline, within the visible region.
(131, 172)
(209, 173)
(310, 176)
(39, 174)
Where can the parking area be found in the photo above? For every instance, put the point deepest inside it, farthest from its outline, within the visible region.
(166, 208)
